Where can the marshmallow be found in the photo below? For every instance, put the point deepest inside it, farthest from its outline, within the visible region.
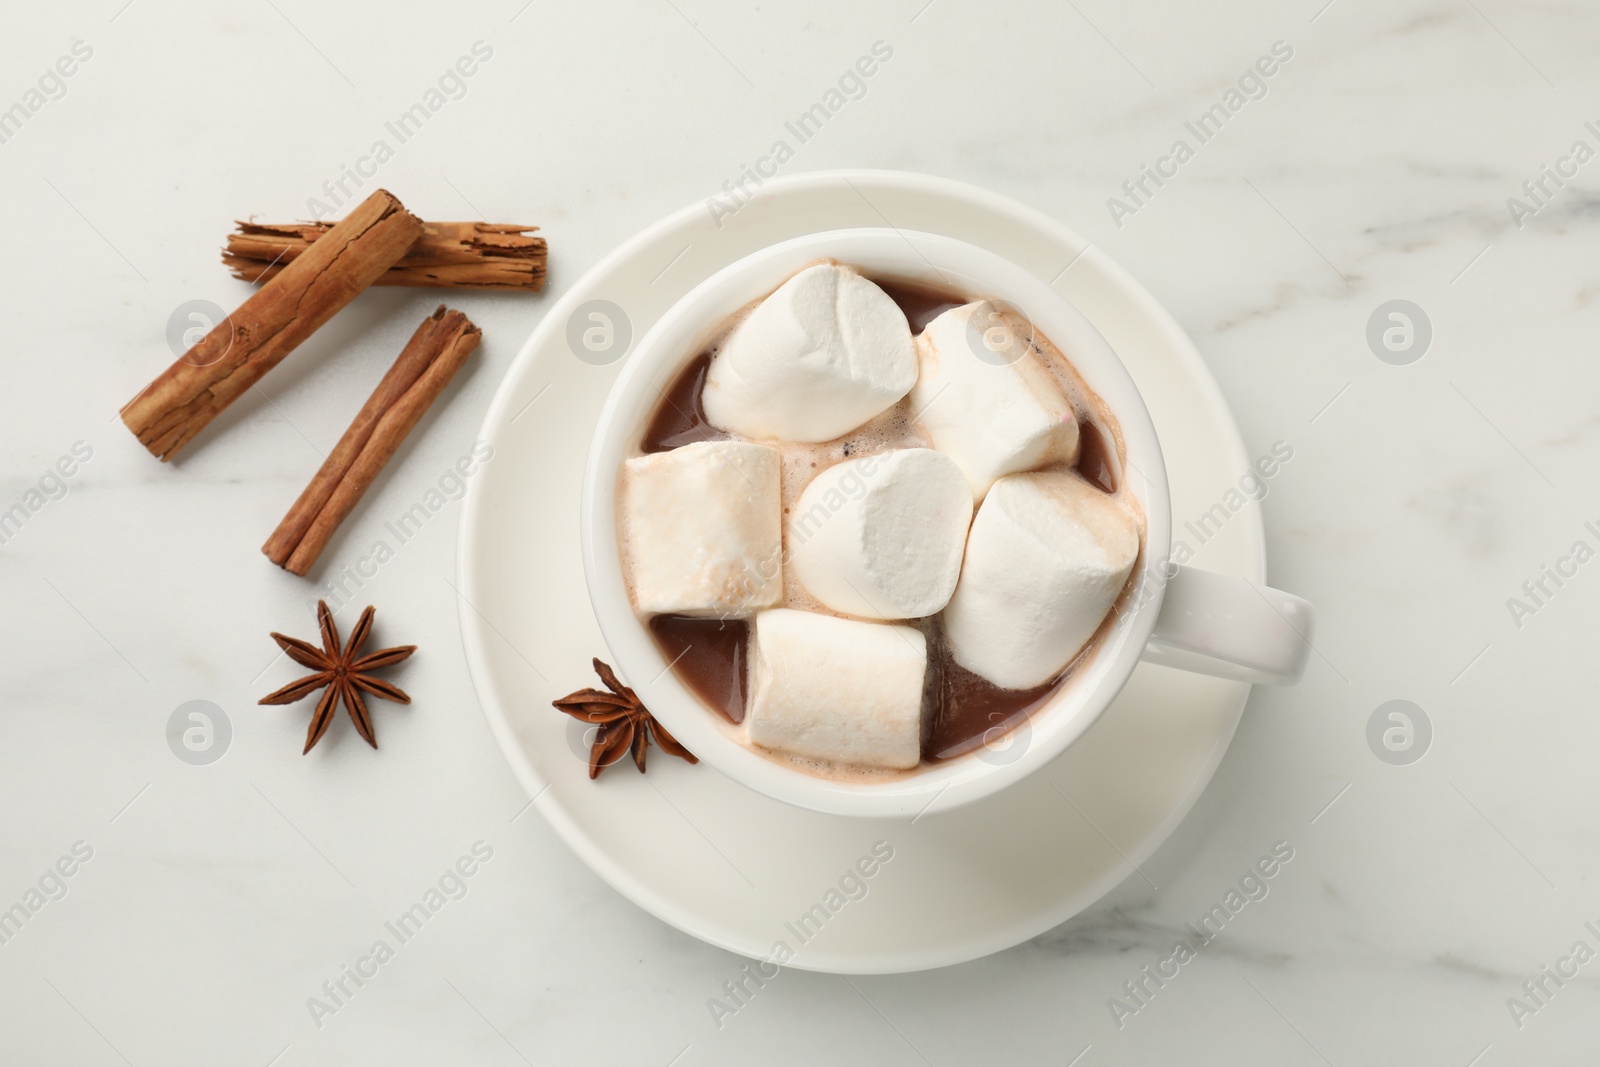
(881, 536)
(823, 354)
(701, 529)
(836, 689)
(1046, 559)
(985, 397)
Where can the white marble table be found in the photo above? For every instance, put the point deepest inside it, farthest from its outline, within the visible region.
(216, 900)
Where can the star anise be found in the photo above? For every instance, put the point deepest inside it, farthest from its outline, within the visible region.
(340, 673)
(625, 724)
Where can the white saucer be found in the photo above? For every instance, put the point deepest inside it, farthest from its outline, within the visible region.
(737, 869)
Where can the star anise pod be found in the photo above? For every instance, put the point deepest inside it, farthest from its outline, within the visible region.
(340, 673)
(625, 724)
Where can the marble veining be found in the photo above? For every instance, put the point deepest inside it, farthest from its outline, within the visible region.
(221, 897)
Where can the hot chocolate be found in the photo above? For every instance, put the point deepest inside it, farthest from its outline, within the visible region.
(908, 589)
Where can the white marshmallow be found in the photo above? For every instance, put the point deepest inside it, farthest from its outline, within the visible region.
(881, 536)
(836, 689)
(701, 529)
(823, 354)
(985, 397)
(1047, 556)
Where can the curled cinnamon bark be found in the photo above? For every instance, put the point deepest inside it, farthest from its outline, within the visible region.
(451, 255)
(353, 254)
(420, 373)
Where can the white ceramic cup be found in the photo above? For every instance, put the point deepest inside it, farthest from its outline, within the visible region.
(1175, 615)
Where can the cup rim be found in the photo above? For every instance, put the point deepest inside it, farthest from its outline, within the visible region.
(681, 333)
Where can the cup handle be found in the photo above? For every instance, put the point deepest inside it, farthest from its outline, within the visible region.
(1232, 628)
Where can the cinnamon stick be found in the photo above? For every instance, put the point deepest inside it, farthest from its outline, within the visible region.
(451, 255)
(420, 373)
(267, 327)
